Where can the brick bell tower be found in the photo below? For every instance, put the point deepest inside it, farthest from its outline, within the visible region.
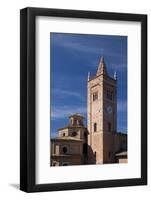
(101, 115)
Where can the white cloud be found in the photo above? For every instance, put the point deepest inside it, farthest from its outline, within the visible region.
(65, 111)
(68, 93)
(78, 46)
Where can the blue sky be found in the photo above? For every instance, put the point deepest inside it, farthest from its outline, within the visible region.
(72, 57)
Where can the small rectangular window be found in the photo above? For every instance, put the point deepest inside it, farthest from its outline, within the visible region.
(95, 96)
(95, 127)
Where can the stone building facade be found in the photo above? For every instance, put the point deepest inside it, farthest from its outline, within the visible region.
(70, 147)
(99, 142)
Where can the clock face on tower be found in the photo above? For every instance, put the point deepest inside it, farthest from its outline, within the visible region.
(109, 109)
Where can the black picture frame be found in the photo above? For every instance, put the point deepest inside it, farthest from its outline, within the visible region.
(28, 99)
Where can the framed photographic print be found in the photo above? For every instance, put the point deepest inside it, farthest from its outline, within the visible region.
(83, 95)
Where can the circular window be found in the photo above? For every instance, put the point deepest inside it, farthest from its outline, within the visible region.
(74, 133)
(64, 149)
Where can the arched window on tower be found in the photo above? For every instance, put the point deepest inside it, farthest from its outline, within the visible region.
(95, 127)
(95, 96)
